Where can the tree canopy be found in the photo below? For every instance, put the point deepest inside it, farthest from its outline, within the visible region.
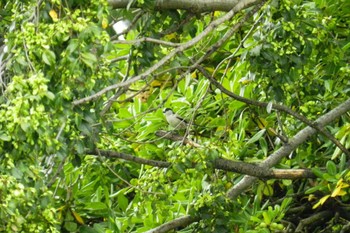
(263, 85)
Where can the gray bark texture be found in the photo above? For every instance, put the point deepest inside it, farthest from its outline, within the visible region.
(190, 5)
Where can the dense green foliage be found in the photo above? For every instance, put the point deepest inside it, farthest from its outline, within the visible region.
(53, 178)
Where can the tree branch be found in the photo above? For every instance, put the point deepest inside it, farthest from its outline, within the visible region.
(220, 163)
(147, 39)
(286, 149)
(260, 172)
(179, 222)
(190, 5)
(114, 154)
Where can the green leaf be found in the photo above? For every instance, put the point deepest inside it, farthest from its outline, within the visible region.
(97, 206)
(122, 201)
(21, 61)
(79, 147)
(268, 190)
(49, 57)
(342, 163)
(286, 202)
(263, 146)
(76, 161)
(329, 178)
(50, 95)
(4, 137)
(255, 219)
(312, 190)
(85, 128)
(317, 172)
(256, 137)
(89, 59)
(346, 47)
(331, 168)
(87, 229)
(25, 126)
(267, 218)
(72, 46)
(120, 124)
(71, 226)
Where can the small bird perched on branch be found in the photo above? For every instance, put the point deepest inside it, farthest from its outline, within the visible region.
(174, 120)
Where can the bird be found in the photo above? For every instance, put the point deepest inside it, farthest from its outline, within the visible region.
(174, 120)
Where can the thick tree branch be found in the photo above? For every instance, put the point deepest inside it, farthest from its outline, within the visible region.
(220, 163)
(190, 5)
(259, 172)
(286, 149)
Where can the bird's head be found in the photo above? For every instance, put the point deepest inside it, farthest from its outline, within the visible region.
(168, 111)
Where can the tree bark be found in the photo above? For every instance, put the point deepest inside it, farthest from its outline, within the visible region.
(190, 5)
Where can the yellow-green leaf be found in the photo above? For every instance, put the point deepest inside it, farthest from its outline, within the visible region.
(77, 217)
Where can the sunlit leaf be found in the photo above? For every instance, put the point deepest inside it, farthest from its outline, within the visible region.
(89, 59)
(267, 218)
(49, 57)
(321, 201)
(256, 137)
(4, 137)
(104, 23)
(338, 191)
(53, 15)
